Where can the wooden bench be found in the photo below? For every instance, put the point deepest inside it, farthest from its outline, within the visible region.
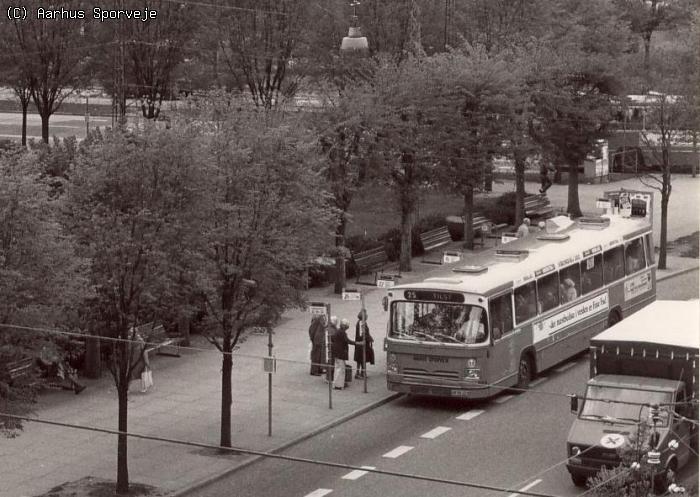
(538, 206)
(367, 261)
(435, 238)
(485, 228)
(158, 341)
(22, 368)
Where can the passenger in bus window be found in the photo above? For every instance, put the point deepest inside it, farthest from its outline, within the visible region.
(634, 256)
(525, 306)
(570, 292)
(549, 301)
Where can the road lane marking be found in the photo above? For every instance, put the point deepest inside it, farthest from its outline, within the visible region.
(504, 398)
(526, 488)
(470, 415)
(538, 381)
(358, 473)
(436, 432)
(563, 368)
(398, 451)
(319, 492)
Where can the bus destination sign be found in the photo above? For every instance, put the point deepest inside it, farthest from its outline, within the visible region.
(455, 298)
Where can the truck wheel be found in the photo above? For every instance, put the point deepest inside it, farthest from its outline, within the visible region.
(524, 372)
(579, 480)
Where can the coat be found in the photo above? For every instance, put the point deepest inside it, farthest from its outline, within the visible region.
(317, 335)
(339, 344)
(369, 355)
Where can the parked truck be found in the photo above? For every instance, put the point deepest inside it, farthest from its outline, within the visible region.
(643, 386)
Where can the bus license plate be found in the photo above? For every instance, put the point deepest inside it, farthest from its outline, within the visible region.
(459, 393)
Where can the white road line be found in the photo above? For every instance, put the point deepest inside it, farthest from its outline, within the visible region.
(538, 381)
(398, 451)
(354, 475)
(563, 368)
(319, 492)
(470, 415)
(526, 488)
(436, 432)
(504, 398)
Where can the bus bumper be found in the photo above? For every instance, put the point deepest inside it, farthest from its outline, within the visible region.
(435, 389)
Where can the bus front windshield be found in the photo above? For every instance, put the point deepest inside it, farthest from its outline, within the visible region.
(623, 405)
(438, 322)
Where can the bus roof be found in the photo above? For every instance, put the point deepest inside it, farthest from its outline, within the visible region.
(542, 257)
(664, 322)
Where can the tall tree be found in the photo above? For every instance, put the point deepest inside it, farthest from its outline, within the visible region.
(578, 76)
(258, 40)
(646, 17)
(129, 204)
(54, 57)
(266, 217)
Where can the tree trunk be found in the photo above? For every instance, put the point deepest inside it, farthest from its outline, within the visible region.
(183, 329)
(226, 395)
(468, 215)
(25, 106)
(696, 156)
(573, 207)
(519, 189)
(340, 260)
(647, 72)
(93, 360)
(664, 227)
(406, 229)
(123, 396)
(45, 126)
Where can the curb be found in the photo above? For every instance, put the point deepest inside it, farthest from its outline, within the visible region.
(677, 273)
(253, 459)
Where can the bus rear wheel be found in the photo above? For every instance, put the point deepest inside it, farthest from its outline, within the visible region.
(524, 372)
(614, 318)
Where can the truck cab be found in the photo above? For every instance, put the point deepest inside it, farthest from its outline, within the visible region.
(642, 396)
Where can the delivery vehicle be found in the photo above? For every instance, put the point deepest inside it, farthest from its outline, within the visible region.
(496, 320)
(643, 369)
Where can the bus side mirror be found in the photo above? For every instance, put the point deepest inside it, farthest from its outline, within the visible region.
(385, 303)
(573, 398)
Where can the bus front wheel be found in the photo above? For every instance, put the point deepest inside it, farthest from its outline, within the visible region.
(524, 372)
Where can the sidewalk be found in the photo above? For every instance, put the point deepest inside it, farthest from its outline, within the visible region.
(185, 405)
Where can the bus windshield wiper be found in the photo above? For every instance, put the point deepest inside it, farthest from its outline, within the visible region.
(425, 335)
(452, 339)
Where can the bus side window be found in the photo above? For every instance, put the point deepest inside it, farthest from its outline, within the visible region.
(634, 256)
(591, 274)
(501, 311)
(525, 302)
(570, 278)
(548, 292)
(650, 248)
(613, 262)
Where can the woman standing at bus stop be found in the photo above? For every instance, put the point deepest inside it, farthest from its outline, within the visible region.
(363, 355)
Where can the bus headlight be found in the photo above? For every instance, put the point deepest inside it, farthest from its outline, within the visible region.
(575, 451)
(472, 373)
(392, 364)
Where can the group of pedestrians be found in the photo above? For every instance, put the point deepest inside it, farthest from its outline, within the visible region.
(330, 348)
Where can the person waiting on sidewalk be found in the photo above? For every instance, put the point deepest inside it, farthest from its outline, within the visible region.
(330, 330)
(317, 336)
(524, 228)
(363, 356)
(340, 342)
(53, 365)
(544, 177)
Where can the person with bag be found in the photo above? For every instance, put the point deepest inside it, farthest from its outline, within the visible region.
(363, 355)
(146, 374)
(339, 344)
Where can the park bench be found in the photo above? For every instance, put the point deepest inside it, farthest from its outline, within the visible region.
(23, 368)
(433, 239)
(367, 261)
(538, 206)
(158, 341)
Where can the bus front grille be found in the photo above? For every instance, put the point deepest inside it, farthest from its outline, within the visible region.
(422, 373)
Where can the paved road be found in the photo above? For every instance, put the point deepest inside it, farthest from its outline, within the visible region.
(509, 441)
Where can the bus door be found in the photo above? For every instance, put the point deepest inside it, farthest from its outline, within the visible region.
(504, 358)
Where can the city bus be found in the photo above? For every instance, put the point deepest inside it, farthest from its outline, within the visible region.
(475, 329)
